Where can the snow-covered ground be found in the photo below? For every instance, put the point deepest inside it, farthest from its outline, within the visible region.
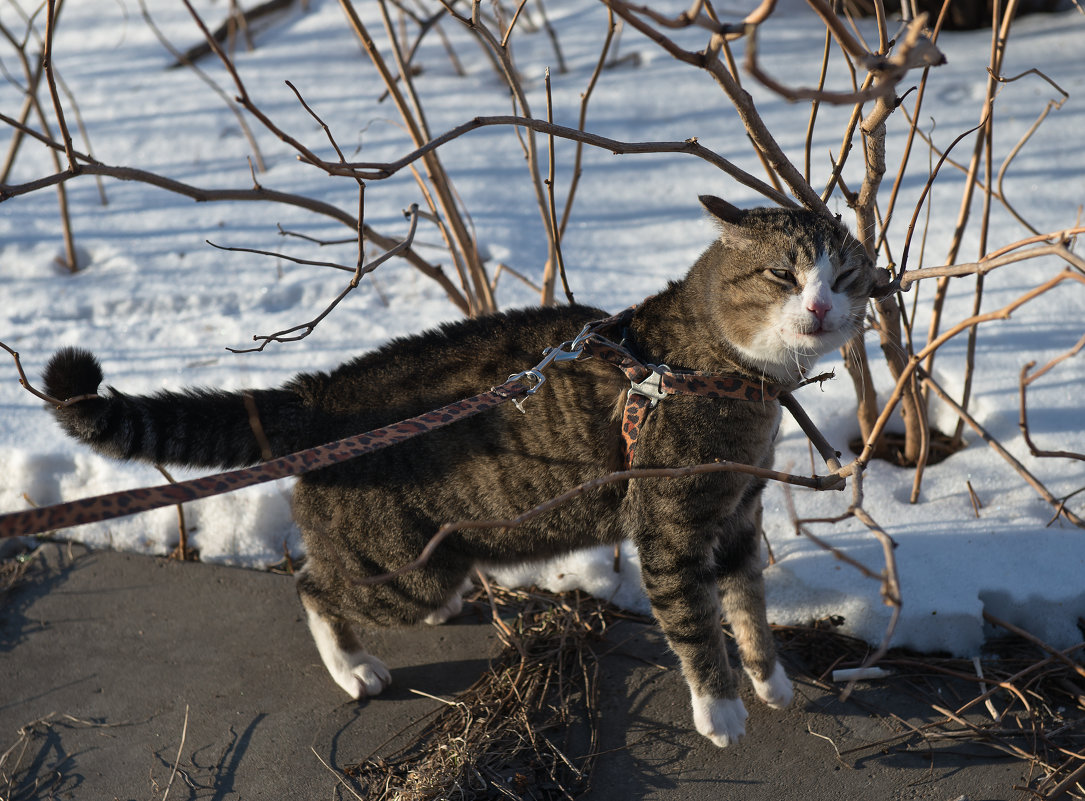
(160, 307)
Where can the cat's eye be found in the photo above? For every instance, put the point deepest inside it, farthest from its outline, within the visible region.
(844, 280)
(783, 275)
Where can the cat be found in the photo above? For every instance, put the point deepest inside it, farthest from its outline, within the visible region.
(776, 290)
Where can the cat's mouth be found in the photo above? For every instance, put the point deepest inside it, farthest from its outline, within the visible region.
(817, 330)
(816, 338)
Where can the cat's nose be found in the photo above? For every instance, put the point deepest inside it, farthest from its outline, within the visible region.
(819, 308)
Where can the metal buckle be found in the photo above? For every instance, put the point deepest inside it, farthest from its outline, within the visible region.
(568, 351)
(654, 393)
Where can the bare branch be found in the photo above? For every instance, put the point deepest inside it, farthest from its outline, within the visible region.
(89, 166)
(1025, 380)
(827, 452)
(306, 262)
(188, 59)
(243, 94)
(378, 170)
(1032, 481)
(479, 297)
(915, 51)
(24, 382)
(888, 577)
(913, 363)
(50, 78)
(555, 236)
(847, 42)
(508, 72)
(996, 259)
(448, 529)
(582, 122)
(291, 334)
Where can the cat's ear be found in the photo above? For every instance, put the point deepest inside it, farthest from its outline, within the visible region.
(722, 210)
(729, 219)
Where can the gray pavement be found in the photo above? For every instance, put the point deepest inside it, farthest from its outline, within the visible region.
(105, 653)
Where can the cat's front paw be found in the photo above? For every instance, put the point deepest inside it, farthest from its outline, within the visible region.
(721, 720)
(361, 675)
(776, 690)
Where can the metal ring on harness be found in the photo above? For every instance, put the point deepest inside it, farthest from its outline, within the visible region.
(654, 393)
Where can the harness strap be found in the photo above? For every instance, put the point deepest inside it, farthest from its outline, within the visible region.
(651, 383)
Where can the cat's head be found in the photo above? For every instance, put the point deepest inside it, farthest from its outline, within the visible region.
(793, 284)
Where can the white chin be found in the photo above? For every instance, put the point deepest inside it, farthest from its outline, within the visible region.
(817, 344)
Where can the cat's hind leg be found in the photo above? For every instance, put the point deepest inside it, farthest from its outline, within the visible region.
(451, 607)
(354, 669)
(332, 605)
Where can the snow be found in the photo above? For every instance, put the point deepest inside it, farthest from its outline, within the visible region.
(160, 307)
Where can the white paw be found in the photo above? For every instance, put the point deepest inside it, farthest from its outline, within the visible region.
(360, 674)
(721, 720)
(775, 691)
(452, 606)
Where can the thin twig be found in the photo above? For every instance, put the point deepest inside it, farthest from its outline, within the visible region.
(555, 234)
(914, 51)
(24, 382)
(1025, 380)
(585, 97)
(184, 59)
(177, 759)
(964, 212)
(89, 166)
(182, 550)
(913, 363)
(1059, 656)
(341, 779)
(1060, 506)
(826, 451)
(446, 530)
(291, 334)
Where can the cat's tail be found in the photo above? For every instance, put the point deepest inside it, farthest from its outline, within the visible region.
(193, 428)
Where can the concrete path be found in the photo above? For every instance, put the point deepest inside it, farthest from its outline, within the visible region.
(105, 654)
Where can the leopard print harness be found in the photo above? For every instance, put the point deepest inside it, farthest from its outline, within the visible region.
(649, 383)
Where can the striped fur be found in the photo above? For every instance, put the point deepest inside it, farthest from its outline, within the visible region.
(778, 289)
(194, 428)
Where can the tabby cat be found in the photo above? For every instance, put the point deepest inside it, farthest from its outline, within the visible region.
(778, 289)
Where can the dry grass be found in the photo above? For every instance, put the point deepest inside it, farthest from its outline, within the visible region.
(28, 769)
(13, 570)
(527, 728)
(1019, 698)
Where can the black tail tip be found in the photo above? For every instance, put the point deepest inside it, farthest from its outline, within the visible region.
(72, 372)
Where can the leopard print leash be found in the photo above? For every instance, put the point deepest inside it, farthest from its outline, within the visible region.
(648, 385)
(127, 502)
